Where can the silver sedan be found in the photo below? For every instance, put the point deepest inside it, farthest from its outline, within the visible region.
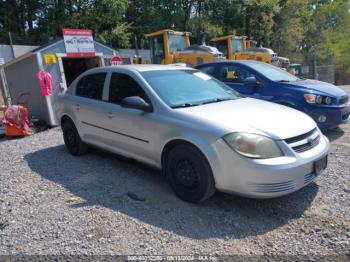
(202, 135)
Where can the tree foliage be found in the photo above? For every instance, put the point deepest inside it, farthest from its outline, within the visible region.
(333, 24)
(307, 27)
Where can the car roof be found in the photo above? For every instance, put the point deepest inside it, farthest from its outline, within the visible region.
(242, 62)
(141, 68)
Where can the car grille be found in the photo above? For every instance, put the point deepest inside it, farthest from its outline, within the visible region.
(273, 188)
(305, 141)
(343, 100)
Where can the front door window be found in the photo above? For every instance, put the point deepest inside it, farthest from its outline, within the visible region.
(122, 86)
(234, 74)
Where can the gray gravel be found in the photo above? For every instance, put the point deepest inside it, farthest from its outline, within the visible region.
(55, 203)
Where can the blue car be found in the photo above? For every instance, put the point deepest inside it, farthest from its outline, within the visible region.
(327, 104)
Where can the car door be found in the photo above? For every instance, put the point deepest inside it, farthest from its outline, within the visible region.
(88, 106)
(129, 131)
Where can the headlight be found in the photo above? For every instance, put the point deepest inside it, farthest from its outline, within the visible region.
(317, 99)
(328, 100)
(253, 146)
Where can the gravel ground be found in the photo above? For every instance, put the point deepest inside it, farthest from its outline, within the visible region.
(55, 203)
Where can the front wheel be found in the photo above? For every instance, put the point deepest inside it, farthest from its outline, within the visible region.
(189, 173)
(72, 139)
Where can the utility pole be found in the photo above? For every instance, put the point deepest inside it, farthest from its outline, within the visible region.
(11, 44)
(136, 46)
(315, 64)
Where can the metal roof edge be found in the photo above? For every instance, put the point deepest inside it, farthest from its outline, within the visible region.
(28, 54)
(41, 48)
(97, 42)
(17, 59)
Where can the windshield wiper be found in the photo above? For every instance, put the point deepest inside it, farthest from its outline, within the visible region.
(184, 105)
(283, 81)
(201, 103)
(216, 100)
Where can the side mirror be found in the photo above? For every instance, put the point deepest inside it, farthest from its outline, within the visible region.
(136, 102)
(251, 81)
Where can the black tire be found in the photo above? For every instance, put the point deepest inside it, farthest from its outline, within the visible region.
(189, 173)
(72, 139)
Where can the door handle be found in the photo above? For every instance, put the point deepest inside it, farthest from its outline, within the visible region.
(109, 115)
(77, 107)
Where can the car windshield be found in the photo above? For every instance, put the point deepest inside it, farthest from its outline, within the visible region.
(273, 73)
(185, 88)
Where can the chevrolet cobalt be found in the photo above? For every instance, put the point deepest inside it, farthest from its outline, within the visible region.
(202, 134)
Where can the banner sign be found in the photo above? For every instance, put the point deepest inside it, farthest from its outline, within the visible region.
(78, 42)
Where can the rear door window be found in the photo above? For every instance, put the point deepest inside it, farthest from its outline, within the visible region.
(122, 86)
(91, 86)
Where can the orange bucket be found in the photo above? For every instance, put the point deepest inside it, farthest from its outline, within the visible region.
(15, 131)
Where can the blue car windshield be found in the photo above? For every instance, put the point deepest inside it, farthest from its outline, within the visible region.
(185, 88)
(273, 73)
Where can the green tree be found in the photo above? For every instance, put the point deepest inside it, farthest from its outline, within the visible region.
(17, 17)
(303, 27)
(259, 19)
(149, 16)
(104, 17)
(333, 17)
(291, 26)
(253, 18)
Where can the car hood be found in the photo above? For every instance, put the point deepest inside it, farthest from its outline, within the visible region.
(316, 85)
(253, 116)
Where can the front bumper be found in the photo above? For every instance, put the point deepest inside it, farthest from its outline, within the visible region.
(266, 178)
(334, 115)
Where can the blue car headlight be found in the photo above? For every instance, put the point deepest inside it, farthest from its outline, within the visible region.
(317, 99)
(328, 100)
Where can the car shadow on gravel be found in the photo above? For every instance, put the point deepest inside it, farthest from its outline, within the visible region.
(100, 179)
(334, 134)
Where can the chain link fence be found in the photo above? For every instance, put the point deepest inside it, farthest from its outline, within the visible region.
(324, 73)
(318, 66)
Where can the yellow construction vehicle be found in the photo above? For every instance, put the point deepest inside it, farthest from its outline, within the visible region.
(169, 47)
(240, 48)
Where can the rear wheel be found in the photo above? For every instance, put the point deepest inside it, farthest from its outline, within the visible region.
(189, 173)
(72, 139)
